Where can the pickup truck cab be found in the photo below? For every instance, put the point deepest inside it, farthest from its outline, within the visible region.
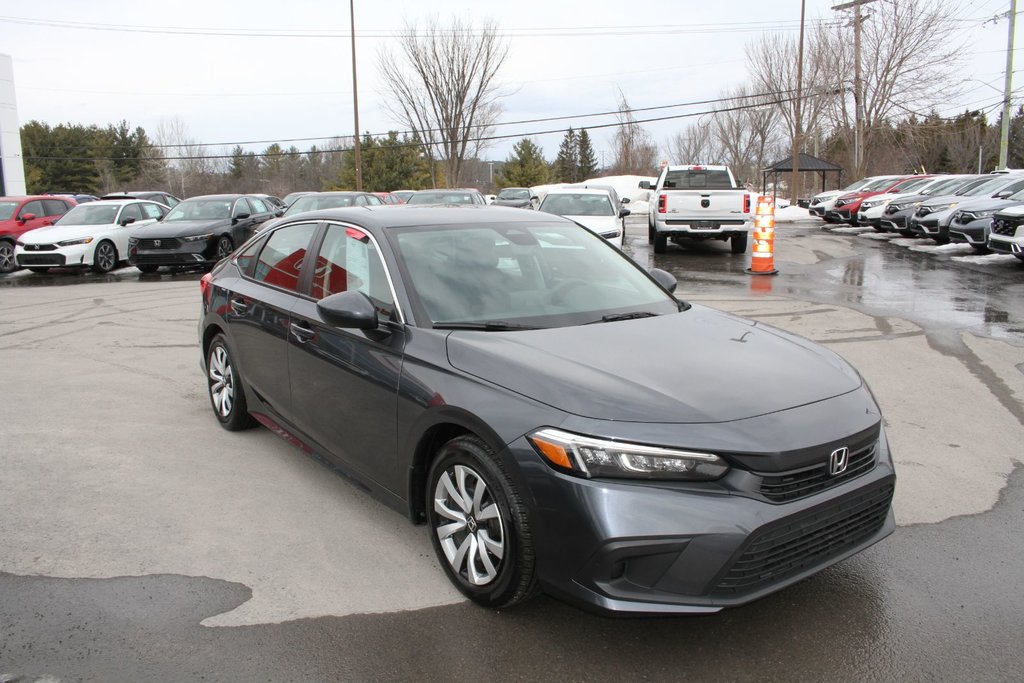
(698, 202)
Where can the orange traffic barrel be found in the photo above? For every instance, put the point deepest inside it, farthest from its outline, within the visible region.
(762, 252)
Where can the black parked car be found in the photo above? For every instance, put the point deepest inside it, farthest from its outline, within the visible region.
(198, 232)
(165, 198)
(466, 365)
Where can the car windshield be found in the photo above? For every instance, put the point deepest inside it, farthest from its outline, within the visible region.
(313, 202)
(90, 214)
(577, 205)
(200, 210)
(858, 185)
(441, 198)
(7, 210)
(990, 187)
(943, 187)
(537, 275)
(509, 193)
(881, 184)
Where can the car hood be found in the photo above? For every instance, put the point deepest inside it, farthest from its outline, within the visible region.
(598, 224)
(518, 203)
(59, 233)
(696, 366)
(182, 228)
(1013, 211)
(987, 204)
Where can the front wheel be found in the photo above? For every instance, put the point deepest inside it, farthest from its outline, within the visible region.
(104, 259)
(980, 248)
(7, 262)
(738, 243)
(147, 268)
(224, 247)
(227, 396)
(478, 525)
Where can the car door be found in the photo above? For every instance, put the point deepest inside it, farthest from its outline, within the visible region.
(32, 215)
(55, 208)
(257, 313)
(261, 211)
(242, 221)
(344, 382)
(131, 217)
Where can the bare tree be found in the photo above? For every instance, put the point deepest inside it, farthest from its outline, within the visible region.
(746, 131)
(443, 87)
(697, 144)
(190, 171)
(635, 152)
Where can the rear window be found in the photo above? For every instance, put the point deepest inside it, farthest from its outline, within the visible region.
(689, 179)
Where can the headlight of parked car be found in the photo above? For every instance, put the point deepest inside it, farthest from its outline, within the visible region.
(80, 240)
(591, 457)
(197, 238)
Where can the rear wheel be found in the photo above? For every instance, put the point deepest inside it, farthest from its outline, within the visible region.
(478, 525)
(104, 259)
(660, 242)
(7, 263)
(227, 396)
(738, 243)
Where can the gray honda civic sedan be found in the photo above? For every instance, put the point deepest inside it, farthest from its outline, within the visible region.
(552, 413)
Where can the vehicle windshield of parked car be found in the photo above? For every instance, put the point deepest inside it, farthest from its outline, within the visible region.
(577, 205)
(510, 193)
(991, 186)
(7, 210)
(906, 186)
(692, 179)
(532, 275)
(200, 210)
(441, 198)
(312, 202)
(882, 184)
(89, 214)
(860, 184)
(946, 186)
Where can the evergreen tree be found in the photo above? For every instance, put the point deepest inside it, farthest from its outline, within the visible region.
(587, 162)
(567, 164)
(390, 163)
(525, 167)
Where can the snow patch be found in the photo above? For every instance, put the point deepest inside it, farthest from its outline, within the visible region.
(876, 235)
(793, 214)
(987, 259)
(851, 230)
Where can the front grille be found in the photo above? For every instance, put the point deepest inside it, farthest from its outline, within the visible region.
(806, 541)
(40, 247)
(41, 260)
(172, 259)
(802, 483)
(1004, 227)
(162, 243)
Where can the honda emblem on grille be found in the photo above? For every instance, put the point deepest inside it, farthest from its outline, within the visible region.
(156, 243)
(838, 461)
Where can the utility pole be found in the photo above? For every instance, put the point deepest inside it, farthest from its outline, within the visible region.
(1004, 132)
(858, 94)
(355, 98)
(794, 186)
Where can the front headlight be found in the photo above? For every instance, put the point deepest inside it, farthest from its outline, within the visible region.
(589, 457)
(133, 241)
(197, 238)
(80, 240)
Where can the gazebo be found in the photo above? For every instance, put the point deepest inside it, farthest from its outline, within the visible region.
(808, 164)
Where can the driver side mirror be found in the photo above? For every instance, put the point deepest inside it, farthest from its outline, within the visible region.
(1004, 194)
(127, 221)
(239, 217)
(349, 309)
(25, 217)
(624, 212)
(645, 185)
(624, 200)
(664, 278)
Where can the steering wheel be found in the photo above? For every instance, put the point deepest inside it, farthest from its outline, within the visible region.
(564, 287)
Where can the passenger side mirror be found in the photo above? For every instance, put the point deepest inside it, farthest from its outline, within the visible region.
(1004, 194)
(27, 217)
(349, 310)
(645, 185)
(664, 278)
(624, 212)
(624, 200)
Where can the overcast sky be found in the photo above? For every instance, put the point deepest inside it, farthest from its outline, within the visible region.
(102, 61)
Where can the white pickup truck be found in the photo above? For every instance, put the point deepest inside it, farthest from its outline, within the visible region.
(698, 202)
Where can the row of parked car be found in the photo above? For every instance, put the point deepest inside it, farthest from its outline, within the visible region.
(150, 230)
(984, 210)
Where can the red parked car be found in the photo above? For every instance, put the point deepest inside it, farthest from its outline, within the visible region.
(20, 214)
(846, 207)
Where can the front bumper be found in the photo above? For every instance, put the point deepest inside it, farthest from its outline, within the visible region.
(701, 229)
(974, 233)
(622, 548)
(1006, 245)
(172, 252)
(74, 256)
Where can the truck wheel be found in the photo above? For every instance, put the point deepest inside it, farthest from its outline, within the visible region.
(650, 231)
(660, 243)
(738, 243)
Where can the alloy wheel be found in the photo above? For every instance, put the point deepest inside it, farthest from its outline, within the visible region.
(6, 257)
(222, 386)
(106, 258)
(224, 248)
(470, 529)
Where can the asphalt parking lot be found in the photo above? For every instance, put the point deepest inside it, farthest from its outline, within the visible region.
(140, 541)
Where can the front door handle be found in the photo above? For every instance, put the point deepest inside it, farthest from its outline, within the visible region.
(301, 333)
(239, 306)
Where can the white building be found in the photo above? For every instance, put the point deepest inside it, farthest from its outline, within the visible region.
(12, 170)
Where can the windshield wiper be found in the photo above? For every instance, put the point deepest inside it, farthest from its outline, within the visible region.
(614, 317)
(488, 326)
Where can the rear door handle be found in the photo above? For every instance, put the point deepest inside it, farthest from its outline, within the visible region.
(301, 333)
(239, 306)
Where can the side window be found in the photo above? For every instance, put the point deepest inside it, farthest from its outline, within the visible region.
(152, 211)
(241, 206)
(247, 257)
(33, 207)
(361, 200)
(131, 211)
(280, 261)
(348, 261)
(54, 207)
(258, 204)
(373, 200)
(170, 201)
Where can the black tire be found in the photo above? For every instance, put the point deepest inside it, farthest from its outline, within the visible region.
(940, 240)
(489, 579)
(7, 262)
(147, 268)
(907, 233)
(832, 221)
(980, 248)
(650, 230)
(227, 395)
(224, 248)
(660, 243)
(879, 228)
(39, 270)
(104, 259)
(738, 243)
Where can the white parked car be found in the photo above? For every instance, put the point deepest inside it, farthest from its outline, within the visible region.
(592, 208)
(93, 235)
(823, 202)
(873, 208)
(1006, 234)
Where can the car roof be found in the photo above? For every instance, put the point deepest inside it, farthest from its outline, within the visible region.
(21, 198)
(120, 202)
(577, 190)
(405, 215)
(216, 196)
